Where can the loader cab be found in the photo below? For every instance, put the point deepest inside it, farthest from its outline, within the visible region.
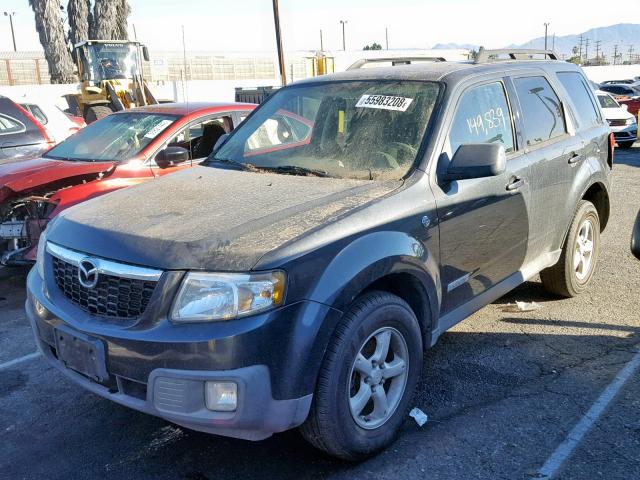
(99, 61)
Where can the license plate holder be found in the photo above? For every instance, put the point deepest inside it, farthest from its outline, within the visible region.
(81, 353)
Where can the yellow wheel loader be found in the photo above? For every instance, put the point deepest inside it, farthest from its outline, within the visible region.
(110, 74)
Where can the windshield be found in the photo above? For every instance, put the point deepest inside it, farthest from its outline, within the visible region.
(108, 61)
(355, 129)
(117, 137)
(607, 102)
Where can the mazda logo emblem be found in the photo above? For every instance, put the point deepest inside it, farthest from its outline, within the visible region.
(87, 273)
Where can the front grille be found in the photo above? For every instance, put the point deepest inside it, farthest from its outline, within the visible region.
(617, 123)
(113, 296)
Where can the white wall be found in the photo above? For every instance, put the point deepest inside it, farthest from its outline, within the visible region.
(610, 72)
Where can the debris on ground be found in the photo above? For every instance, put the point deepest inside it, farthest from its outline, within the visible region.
(521, 307)
(419, 416)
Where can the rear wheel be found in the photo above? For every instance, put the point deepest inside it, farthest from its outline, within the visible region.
(96, 112)
(367, 378)
(577, 263)
(625, 144)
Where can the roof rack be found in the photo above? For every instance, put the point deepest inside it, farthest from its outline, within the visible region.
(394, 61)
(487, 56)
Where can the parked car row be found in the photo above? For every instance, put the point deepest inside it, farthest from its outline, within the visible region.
(296, 274)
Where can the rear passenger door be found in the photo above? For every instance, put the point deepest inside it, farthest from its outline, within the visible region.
(483, 221)
(553, 148)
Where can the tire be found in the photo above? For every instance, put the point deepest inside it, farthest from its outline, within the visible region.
(96, 112)
(331, 425)
(566, 278)
(625, 145)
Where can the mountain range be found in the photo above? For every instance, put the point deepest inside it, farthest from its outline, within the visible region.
(625, 35)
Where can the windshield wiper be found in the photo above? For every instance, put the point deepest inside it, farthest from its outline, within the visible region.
(235, 163)
(296, 170)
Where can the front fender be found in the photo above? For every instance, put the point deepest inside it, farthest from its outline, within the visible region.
(371, 257)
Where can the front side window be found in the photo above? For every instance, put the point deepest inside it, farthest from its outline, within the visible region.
(581, 97)
(117, 137)
(541, 109)
(200, 138)
(37, 112)
(607, 101)
(352, 129)
(483, 117)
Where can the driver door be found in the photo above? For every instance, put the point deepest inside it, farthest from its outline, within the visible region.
(484, 224)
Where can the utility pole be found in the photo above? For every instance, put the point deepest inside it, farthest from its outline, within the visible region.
(581, 42)
(586, 50)
(13, 34)
(615, 54)
(321, 44)
(276, 21)
(598, 43)
(630, 53)
(386, 36)
(553, 43)
(546, 26)
(344, 45)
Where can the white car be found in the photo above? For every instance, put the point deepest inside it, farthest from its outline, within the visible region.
(57, 123)
(623, 124)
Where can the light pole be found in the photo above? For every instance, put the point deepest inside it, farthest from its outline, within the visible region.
(343, 22)
(546, 26)
(386, 36)
(13, 35)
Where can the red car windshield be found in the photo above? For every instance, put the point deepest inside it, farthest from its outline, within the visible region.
(114, 138)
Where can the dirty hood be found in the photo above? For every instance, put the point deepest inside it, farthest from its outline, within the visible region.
(208, 218)
(24, 175)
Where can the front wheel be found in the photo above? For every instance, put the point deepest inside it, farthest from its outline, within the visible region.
(96, 112)
(367, 378)
(577, 263)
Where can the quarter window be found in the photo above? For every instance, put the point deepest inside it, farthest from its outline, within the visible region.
(9, 125)
(578, 90)
(541, 109)
(483, 117)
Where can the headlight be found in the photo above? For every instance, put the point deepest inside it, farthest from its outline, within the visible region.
(223, 296)
(631, 121)
(42, 245)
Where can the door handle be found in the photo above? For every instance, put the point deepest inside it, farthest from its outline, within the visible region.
(515, 184)
(574, 157)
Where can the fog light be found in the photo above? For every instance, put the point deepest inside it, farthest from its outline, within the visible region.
(221, 396)
(40, 309)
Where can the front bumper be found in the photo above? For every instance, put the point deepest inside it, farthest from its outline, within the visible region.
(625, 134)
(166, 376)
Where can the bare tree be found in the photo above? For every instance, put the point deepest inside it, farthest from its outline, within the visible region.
(51, 32)
(105, 20)
(122, 30)
(80, 17)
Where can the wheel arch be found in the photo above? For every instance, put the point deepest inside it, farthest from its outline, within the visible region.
(598, 195)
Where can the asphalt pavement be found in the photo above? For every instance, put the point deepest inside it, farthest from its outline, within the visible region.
(504, 392)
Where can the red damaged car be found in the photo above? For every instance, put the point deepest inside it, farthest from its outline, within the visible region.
(120, 150)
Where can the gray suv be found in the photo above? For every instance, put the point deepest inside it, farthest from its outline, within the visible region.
(297, 276)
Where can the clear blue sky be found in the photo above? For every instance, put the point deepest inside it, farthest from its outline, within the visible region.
(246, 25)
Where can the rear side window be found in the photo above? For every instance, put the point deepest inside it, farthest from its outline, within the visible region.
(541, 109)
(37, 112)
(581, 98)
(9, 125)
(483, 117)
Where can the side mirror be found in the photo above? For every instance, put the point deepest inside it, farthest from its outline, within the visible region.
(625, 106)
(476, 160)
(145, 53)
(635, 238)
(171, 156)
(220, 141)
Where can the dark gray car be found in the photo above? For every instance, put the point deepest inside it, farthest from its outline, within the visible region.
(296, 277)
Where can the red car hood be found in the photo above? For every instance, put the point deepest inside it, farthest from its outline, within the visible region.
(22, 175)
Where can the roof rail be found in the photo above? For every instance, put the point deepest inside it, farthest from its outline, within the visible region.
(487, 56)
(394, 61)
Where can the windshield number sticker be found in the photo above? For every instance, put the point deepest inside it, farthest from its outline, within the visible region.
(153, 133)
(483, 123)
(384, 102)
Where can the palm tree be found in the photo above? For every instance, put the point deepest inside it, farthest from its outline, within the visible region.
(51, 32)
(105, 20)
(80, 17)
(123, 10)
